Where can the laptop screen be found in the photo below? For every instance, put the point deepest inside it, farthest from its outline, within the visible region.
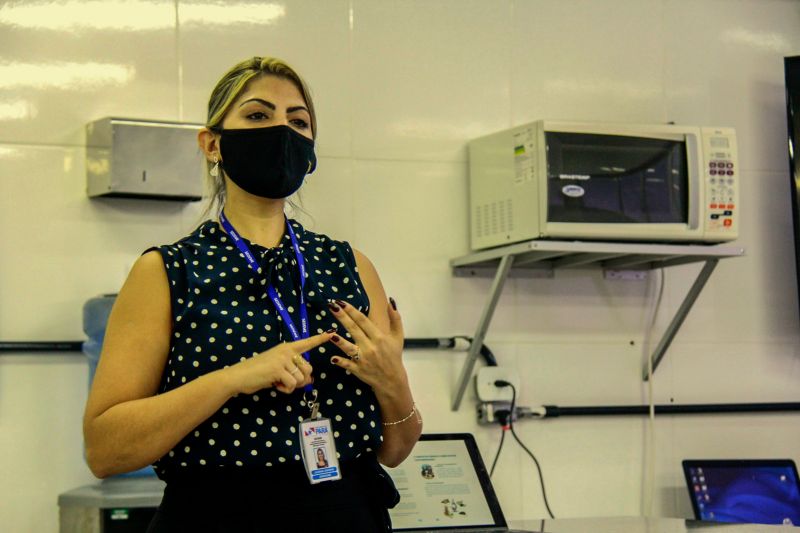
(444, 485)
(757, 491)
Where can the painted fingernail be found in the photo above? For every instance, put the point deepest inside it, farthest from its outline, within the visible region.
(335, 360)
(333, 308)
(341, 302)
(335, 338)
(394, 304)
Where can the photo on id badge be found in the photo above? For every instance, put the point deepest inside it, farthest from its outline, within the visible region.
(319, 451)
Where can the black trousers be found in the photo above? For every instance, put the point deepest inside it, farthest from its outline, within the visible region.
(279, 500)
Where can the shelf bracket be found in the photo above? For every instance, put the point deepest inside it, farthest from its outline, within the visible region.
(483, 325)
(544, 256)
(680, 316)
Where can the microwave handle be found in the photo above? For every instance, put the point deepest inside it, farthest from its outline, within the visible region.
(695, 168)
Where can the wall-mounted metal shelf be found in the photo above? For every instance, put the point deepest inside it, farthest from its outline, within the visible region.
(542, 258)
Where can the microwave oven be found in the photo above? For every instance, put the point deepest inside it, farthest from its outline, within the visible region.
(595, 181)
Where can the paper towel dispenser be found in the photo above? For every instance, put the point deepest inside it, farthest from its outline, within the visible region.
(127, 158)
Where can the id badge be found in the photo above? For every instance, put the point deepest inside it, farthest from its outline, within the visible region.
(319, 450)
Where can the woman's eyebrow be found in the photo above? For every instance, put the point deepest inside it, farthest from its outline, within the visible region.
(260, 101)
(272, 106)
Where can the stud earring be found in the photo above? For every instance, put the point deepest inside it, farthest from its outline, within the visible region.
(215, 169)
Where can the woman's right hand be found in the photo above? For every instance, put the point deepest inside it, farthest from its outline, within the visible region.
(282, 367)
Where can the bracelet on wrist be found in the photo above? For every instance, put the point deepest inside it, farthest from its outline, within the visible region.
(405, 418)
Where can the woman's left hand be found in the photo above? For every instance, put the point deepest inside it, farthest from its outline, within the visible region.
(375, 357)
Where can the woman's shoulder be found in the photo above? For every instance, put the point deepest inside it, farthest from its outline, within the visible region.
(207, 234)
(182, 258)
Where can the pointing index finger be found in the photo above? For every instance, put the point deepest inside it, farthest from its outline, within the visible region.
(304, 345)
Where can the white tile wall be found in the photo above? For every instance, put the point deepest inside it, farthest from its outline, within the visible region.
(61, 249)
(400, 87)
(584, 60)
(40, 435)
(65, 63)
(413, 264)
(412, 63)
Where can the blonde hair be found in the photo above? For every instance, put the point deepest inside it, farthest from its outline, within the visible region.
(225, 93)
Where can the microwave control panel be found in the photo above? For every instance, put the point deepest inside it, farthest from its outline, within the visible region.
(721, 172)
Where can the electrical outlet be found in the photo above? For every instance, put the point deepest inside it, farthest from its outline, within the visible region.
(487, 391)
(488, 412)
(497, 413)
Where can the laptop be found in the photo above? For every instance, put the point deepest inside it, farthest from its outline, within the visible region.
(444, 487)
(754, 491)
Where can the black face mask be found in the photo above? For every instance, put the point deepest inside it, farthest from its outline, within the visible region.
(268, 162)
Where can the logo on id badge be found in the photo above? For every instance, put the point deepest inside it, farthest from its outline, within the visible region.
(319, 450)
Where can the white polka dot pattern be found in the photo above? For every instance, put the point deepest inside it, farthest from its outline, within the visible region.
(222, 315)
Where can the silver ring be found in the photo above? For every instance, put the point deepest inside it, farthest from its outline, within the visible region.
(356, 356)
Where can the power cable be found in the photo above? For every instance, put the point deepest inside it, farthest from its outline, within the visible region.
(648, 485)
(499, 448)
(503, 383)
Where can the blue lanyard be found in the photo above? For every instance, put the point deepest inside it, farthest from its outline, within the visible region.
(273, 294)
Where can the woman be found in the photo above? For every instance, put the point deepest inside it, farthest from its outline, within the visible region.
(221, 346)
(321, 461)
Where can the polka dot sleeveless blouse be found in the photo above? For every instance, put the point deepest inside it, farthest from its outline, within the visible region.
(222, 314)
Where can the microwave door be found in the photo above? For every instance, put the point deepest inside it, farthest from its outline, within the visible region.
(613, 179)
(590, 198)
(666, 190)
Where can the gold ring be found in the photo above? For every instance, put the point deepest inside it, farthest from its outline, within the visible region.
(356, 356)
(296, 369)
(297, 360)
